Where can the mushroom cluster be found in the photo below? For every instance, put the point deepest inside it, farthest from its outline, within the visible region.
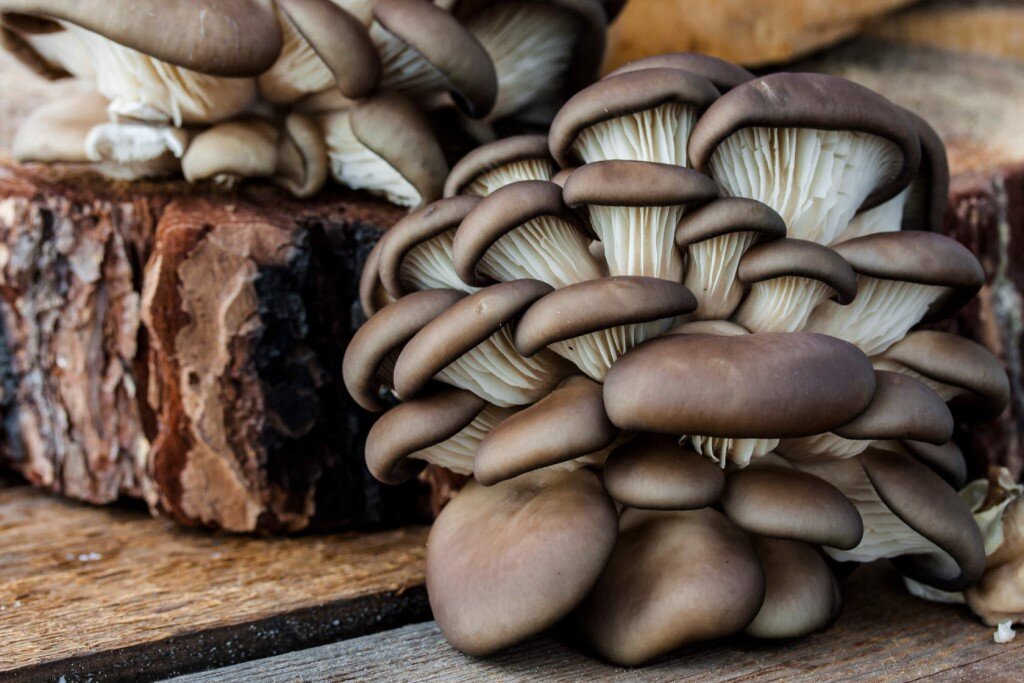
(296, 91)
(677, 344)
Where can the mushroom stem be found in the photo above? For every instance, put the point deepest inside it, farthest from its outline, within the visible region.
(711, 274)
(729, 450)
(639, 240)
(658, 134)
(781, 304)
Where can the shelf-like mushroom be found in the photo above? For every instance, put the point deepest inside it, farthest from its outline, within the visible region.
(500, 163)
(653, 472)
(373, 297)
(230, 152)
(301, 156)
(722, 74)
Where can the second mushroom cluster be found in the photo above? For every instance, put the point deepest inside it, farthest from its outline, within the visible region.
(677, 344)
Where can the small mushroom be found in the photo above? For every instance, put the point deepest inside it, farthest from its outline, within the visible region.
(500, 163)
(505, 562)
(734, 397)
(816, 148)
(593, 323)
(301, 157)
(470, 346)
(722, 74)
(788, 280)
(964, 373)
(444, 428)
(715, 237)
(801, 593)
(674, 578)
(385, 145)
(634, 208)
(644, 115)
(524, 230)
(902, 279)
(372, 295)
(558, 430)
(418, 250)
(230, 152)
(653, 472)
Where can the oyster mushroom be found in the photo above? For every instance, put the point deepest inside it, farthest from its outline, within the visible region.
(674, 578)
(385, 145)
(815, 148)
(722, 74)
(593, 323)
(505, 562)
(524, 230)
(653, 472)
(715, 237)
(902, 279)
(734, 397)
(372, 295)
(634, 208)
(500, 163)
(134, 146)
(230, 152)
(644, 115)
(946, 460)
(470, 346)
(788, 280)
(44, 46)
(301, 157)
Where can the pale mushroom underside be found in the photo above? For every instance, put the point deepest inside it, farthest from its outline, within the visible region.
(506, 174)
(545, 248)
(711, 273)
(781, 304)
(595, 353)
(659, 134)
(639, 240)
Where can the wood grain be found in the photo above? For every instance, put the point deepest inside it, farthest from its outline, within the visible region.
(102, 594)
(882, 635)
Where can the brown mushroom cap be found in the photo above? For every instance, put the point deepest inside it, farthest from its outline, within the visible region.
(386, 333)
(764, 385)
(946, 460)
(226, 38)
(568, 423)
(786, 503)
(725, 328)
(654, 472)
(801, 593)
(929, 194)
(498, 154)
(636, 183)
(413, 426)
(674, 578)
(448, 46)
(817, 101)
(507, 561)
(728, 215)
(244, 148)
(721, 74)
(902, 408)
(799, 258)
(422, 225)
(595, 305)
(620, 95)
(372, 295)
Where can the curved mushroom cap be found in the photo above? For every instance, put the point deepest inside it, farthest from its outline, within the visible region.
(56, 131)
(499, 163)
(801, 259)
(226, 38)
(230, 151)
(752, 386)
(383, 335)
(902, 408)
(801, 593)
(946, 460)
(674, 578)
(930, 507)
(507, 561)
(524, 230)
(654, 472)
(568, 423)
(372, 295)
(720, 73)
(413, 426)
(725, 328)
(786, 503)
(728, 215)
(385, 145)
(432, 229)
(301, 157)
(963, 372)
(627, 94)
(454, 54)
(814, 101)
(929, 193)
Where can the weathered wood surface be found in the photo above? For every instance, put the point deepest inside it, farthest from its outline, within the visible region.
(883, 634)
(112, 594)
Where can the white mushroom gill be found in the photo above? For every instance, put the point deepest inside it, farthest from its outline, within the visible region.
(724, 451)
(546, 249)
(947, 392)
(821, 446)
(711, 274)
(298, 70)
(527, 42)
(506, 174)
(886, 217)
(881, 314)
(885, 534)
(457, 453)
(428, 265)
(494, 371)
(147, 89)
(815, 179)
(403, 68)
(659, 134)
(639, 240)
(781, 304)
(595, 353)
(354, 165)
(134, 142)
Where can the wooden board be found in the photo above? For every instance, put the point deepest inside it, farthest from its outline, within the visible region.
(113, 594)
(882, 635)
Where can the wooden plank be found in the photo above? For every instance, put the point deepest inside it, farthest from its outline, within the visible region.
(882, 635)
(113, 594)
